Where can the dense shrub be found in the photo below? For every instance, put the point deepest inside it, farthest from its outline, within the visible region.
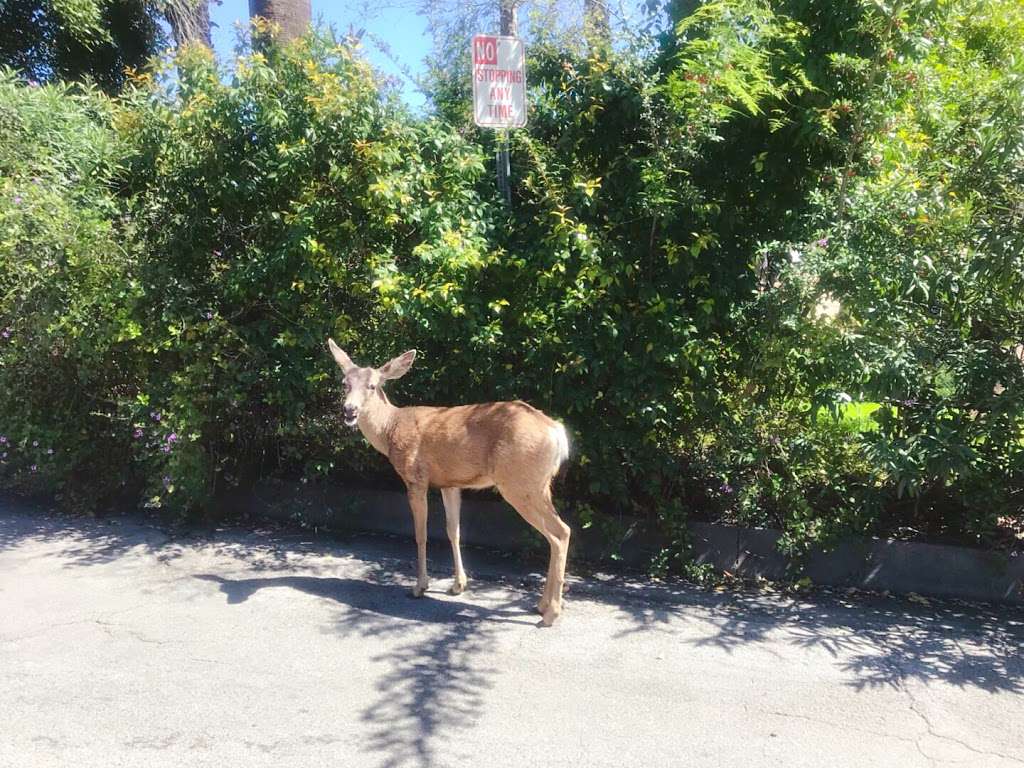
(284, 207)
(66, 288)
(266, 214)
(907, 290)
(717, 281)
(629, 251)
(767, 268)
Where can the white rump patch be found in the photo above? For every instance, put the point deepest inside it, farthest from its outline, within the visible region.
(561, 442)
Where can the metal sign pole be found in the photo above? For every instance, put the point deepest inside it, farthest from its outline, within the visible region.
(510, 27)
(499, 90)
(504, 168)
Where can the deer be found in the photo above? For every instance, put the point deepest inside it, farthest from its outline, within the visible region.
(510, 446)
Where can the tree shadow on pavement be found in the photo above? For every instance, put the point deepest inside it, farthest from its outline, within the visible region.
(434, 683)
(887, 641)
(878, 640)
(78, 540)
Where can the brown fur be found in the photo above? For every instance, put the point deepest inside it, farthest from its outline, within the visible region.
(509, 445)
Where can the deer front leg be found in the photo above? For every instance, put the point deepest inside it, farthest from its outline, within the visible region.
(418, 505)
(452, 498)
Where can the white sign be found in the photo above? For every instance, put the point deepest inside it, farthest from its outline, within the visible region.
(499, 82)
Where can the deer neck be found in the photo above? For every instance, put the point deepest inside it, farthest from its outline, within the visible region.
(377, 421)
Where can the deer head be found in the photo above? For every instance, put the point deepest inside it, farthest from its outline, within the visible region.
(363, 385)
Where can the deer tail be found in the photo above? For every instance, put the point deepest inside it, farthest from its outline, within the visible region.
(560, 439)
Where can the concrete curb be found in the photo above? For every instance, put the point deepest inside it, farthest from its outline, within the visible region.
(879, 564)
(896, 566)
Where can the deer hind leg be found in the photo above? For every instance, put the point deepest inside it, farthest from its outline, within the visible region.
(418, 505)
(549, 580)
(452, 498)
(538, 511)
(558, 532)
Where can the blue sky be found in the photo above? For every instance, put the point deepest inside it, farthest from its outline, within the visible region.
(404, 32)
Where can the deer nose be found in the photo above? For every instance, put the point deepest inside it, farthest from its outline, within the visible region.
(350, 411)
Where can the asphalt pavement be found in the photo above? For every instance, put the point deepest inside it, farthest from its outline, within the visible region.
(127, 643)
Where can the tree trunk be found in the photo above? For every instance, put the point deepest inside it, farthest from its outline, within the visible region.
(292, 16)
(596, 26)
(189, 21)
(509, 18)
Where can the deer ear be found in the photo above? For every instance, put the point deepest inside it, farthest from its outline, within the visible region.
(343, 360)
(397, 368)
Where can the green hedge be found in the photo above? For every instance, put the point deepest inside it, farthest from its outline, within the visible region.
(714, 245)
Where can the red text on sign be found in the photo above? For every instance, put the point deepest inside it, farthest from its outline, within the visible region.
(485, 50)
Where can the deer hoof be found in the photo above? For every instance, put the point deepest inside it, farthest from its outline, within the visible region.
(457, 588)
(549, 616)
(542, 607)
(419, 590)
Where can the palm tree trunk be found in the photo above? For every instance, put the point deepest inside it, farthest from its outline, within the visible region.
(292, 16)
(189, 20)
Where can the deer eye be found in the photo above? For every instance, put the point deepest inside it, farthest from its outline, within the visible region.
(372, 387)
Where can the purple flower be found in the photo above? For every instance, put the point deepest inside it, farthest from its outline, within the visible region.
(208, 315)
(172, 438)
(165, 448)
(17, 199)
(4, 456)
(821, 243)
(216, 253)
(167, 480)
(725, 488)
(155, 415)
(6, 333)
(33, 467)
(137, 433)
(3, 439)
(33, 84)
